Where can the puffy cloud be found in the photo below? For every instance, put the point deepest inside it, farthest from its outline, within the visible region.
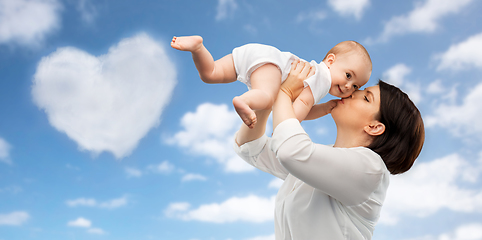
(353, 8)
(312, 16)
(472, 231)
(460, 119)
(249, 209)
(80, 222)
(431, 186)
(269, 237)
(133, 172)
(106, 103)
(85, 223)
(225, 8)
(28, 22)
(210, 132)
(164, 168)
(275, 183)
(463, 55)
(90, 202)
(97, 231)
(193, 177)
(397, 75)
(423, 18)
(87, 10)
(5, 151)
(14, 219)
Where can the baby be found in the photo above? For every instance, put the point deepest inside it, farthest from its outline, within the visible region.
(345, 68)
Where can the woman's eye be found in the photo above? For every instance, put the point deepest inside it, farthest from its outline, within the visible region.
(366, 99)
(348, 75)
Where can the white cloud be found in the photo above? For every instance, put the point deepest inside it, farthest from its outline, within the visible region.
(133, 172)
(312, 16)
(463, 55)
(249, 209)
(471, 231)
(225, 8)
(397, 75)
(14, 219)
(164, 168)
(87, 10)
(436, 87)
(431, 186)
(269, 237)
(106, 103)
(460, 119)
(86, 223)
(80, 222)
(96, 231)
(28, 22)
(5, 151)
(114, 203)
(424, 18)
(193, 177)
(353, 8)
(90, 202)
(210, 132)
(275, 183)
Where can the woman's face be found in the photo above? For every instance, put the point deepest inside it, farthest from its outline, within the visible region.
(358, 110)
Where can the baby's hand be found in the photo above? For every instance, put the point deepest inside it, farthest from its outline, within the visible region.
(322, 109)
(293, 85)
(328, 106)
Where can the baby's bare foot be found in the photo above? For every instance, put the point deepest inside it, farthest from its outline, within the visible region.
(245, 112)
(189, 43)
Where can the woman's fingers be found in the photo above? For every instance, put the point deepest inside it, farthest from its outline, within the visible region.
(294, 65)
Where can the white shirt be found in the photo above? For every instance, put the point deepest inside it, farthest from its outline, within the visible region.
(250, 57)
(328, 193)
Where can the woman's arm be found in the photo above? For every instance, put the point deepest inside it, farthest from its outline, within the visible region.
(349, 175)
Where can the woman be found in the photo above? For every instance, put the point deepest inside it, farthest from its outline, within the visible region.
(334, 192)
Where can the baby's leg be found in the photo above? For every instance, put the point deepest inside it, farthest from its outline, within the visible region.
(221, 71)
(265, 83)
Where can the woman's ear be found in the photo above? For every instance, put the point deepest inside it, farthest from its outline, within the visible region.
(375, 128)
(330, 59)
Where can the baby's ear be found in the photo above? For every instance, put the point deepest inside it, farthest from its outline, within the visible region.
(330, 59)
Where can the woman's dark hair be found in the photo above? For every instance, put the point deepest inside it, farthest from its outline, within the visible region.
(404, 134)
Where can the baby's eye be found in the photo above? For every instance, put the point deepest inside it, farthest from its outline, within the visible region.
(356, 87)
(348, 75)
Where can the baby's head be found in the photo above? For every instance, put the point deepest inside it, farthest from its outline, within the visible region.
(350, 67)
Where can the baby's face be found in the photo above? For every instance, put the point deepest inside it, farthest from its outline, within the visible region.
(348, 73)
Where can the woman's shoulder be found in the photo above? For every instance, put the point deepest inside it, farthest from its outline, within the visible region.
(372, 162)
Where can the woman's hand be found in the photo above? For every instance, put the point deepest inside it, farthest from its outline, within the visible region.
(293, 85)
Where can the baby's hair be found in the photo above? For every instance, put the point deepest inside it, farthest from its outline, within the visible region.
(350, 46)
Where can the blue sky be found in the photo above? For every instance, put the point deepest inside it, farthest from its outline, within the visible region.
(108, 133)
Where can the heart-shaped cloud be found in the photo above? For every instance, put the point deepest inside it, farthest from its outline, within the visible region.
(106, 103)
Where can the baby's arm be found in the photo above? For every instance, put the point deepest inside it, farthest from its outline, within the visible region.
(303, 104)
(322, 109)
